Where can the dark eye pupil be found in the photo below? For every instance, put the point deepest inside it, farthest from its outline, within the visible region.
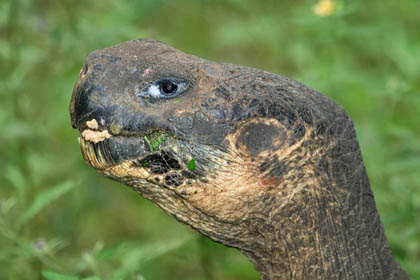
(168, 86)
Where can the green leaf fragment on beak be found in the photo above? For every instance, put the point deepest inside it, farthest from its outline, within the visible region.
(191, 165)
(148, 142)
(156, 142)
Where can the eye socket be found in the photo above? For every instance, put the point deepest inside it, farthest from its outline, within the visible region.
(165, 88)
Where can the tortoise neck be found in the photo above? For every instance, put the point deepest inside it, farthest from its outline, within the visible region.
(325, 238)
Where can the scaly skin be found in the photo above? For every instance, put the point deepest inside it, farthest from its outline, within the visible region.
(278, 171)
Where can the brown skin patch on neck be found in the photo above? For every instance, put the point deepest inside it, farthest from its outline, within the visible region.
(237, 185)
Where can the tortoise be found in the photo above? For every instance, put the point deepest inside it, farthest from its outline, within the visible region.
(251, 159)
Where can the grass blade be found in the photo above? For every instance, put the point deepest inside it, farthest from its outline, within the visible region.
(43, 199)
(49, 275)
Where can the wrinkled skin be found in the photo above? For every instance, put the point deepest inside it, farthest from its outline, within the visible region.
(250, 159)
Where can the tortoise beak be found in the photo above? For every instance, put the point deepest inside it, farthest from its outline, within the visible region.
(112, 123)
(82, 108)
(75, 98)
(112, 151)
(100, 145)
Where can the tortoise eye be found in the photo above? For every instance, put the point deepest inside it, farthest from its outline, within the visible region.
(165, 88)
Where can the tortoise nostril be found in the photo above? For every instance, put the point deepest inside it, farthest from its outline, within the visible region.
(84, 70)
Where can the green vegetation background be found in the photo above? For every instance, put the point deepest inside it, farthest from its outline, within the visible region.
(59, 219)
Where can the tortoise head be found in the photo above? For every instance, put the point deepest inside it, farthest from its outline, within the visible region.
(211, 144)
(251, 159)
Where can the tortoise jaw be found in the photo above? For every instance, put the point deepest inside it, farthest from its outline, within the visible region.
(96, 154)
(102, 149)
(136, 162)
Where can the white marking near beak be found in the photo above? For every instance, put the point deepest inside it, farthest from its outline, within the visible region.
(92, 124)
(92, 134)
(95, 136)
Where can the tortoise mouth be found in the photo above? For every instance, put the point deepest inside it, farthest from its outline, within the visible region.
(154, 157)
(102, 149)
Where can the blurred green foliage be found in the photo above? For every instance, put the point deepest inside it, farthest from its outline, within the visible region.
(61, 220)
